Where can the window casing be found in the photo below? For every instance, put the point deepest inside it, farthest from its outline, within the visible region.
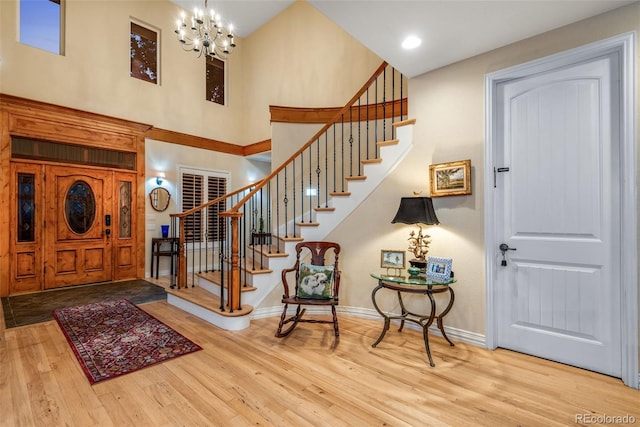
(42, 24)
(197, 187)
(215, 77)
(144, 53)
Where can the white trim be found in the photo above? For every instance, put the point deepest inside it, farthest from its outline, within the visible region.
(624, 45)
(454, 334)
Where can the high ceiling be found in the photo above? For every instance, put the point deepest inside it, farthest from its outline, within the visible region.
(451, 30)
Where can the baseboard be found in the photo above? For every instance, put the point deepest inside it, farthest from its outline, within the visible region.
(455, 334)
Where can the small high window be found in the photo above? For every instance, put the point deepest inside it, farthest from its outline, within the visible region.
(215, 80)
(144, 53)
(41, 24)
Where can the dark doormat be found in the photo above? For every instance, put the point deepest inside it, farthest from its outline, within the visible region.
(21, 310)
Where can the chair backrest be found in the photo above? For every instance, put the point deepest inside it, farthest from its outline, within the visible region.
(318, 253)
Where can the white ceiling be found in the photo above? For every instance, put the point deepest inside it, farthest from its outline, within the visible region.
(451, 30)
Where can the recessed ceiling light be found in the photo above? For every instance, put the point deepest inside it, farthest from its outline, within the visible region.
(411, 42)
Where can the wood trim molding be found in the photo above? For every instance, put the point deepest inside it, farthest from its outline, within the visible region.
(323, 115)
(40, 120)
(208, 144)
(258, 147)
(194, 141)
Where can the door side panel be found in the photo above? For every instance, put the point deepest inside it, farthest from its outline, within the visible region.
(26, 208)
(123, 228)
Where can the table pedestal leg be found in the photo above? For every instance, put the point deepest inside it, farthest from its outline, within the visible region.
(444, 313)
(386, 318)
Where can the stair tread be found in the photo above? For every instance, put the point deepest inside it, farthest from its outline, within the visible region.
(307, 224)
(340, 193)
(247, 267)
(389, 142)
(291, 239)
(207, 300)
(355, 178)
(215, 278)
(327, 209)
(264, 251)
(370, 161)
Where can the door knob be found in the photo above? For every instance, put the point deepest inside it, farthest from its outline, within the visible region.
(504, 248)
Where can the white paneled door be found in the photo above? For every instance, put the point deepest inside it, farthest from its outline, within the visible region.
(558, 208)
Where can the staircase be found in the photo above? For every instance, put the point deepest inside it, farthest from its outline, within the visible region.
(225, 295)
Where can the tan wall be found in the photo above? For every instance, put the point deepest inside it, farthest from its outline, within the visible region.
(448, 105)
(93, 75)
(298, 59)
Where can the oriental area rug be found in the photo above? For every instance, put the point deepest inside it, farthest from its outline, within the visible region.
(114, 338)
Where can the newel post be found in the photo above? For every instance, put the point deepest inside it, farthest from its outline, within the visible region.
(181, 280)
(234, 273)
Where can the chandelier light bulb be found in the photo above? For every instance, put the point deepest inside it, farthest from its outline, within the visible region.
(207, 34)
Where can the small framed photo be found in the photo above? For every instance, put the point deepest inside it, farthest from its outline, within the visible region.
(392, 259)
(439, 269)
(450, 179)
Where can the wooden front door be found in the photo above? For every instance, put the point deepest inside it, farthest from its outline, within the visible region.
(73, 226)
(78, 234)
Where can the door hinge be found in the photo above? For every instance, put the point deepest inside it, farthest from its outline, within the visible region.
(497, 170)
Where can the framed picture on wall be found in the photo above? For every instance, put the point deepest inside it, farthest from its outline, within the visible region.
(450, 179)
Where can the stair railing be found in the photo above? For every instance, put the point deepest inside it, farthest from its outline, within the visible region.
(287, 199)
(201, 237)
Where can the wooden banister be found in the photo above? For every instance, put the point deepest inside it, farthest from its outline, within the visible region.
(233, 239)
(182, 256)
(347, 106)
(234, 213)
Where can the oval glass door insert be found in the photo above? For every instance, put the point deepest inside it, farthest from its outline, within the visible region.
(80, 207)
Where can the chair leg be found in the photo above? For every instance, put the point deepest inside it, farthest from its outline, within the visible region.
(283, 320)
(335, 321)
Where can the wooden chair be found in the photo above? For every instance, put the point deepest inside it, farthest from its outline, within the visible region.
(298, 293)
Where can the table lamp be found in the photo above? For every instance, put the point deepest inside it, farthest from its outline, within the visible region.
(417, 210)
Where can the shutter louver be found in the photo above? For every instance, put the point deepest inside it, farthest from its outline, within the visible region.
(216, 187)
(192, 195)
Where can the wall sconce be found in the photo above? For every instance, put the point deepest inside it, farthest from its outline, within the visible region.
(417, 210)
(160, 177)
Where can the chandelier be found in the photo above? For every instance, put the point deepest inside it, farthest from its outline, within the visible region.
(204, 33)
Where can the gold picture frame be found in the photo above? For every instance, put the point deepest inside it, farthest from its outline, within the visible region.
(450, 179)
(392, 258)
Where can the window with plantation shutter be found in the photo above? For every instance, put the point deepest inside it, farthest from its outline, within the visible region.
(217, 187)
(198, 187)
(192, 192)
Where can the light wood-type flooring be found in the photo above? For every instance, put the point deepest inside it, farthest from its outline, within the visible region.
(250, 377)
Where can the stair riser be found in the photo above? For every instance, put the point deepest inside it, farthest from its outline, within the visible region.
(228, 323)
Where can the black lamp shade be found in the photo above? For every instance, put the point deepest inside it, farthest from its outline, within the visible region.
(416, 210)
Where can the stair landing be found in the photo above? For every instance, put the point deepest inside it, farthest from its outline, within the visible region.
(205, 305)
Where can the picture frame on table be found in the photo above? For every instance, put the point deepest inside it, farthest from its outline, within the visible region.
(390, 258)
(450, 179)
(439, 269)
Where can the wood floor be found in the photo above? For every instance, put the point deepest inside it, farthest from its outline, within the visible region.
(252, 378)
